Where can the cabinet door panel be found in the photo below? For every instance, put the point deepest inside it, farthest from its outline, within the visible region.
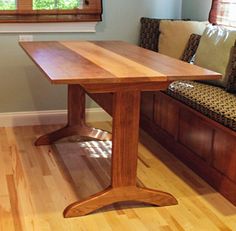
(195, 134)
(166, 114)
(224, 156)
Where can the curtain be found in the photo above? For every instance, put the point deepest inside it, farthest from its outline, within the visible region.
(223, 12)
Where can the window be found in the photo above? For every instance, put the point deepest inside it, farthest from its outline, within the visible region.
(50, 10)
(223, 12)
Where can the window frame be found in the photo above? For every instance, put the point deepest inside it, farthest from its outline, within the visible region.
(91, 11)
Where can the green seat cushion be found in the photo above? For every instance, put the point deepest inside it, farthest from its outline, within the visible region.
(212, 101)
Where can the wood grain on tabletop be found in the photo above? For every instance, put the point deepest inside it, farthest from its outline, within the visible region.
(108, 62)
(38, 182)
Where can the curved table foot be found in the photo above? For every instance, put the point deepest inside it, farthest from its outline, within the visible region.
(83, 131)
(76, 124)
(113, 195)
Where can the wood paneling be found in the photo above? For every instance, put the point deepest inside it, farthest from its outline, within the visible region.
(210, 174)
(224, 154)
(204, 145)
(166, 114)
(195, 134)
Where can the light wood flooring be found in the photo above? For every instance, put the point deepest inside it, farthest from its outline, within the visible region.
(37, 183)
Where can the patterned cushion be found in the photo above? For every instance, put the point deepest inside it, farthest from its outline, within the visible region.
(231, 84)
(212, 101)
(191, 48)
(149, 33)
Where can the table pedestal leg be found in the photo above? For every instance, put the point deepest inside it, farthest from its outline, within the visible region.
(125, 134)
(76, 120)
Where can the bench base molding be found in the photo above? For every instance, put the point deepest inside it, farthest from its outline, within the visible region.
(207, 147)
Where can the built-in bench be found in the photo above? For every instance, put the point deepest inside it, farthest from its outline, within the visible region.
(194, 120)
(213, 102)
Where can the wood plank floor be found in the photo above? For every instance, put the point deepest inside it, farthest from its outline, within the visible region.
(37, 183)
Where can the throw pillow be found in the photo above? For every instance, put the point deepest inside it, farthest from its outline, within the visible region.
(214, 52)
(174, 36)
(191, 48)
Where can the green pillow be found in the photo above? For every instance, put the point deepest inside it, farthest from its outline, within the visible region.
(214, 52)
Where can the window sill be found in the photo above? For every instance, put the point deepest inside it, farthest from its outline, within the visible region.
(60, 27)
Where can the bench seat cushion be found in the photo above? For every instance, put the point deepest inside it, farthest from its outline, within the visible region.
(212, 101)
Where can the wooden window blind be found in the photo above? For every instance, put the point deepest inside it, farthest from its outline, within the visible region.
(223, 12)
(50, 10)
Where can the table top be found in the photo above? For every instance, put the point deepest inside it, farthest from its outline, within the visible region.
(85, 62)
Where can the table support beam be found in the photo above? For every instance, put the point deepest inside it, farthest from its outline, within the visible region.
(126, 109)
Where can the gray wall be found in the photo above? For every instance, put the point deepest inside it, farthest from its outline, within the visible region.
(22, 85)
(196, 9)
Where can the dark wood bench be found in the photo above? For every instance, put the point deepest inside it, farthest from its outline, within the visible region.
(204, 144)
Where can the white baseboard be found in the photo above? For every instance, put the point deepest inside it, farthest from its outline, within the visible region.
(12, 119)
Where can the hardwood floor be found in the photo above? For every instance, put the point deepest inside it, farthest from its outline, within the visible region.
(37, 183)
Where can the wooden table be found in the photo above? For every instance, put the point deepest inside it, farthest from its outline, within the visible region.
(114, 74)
